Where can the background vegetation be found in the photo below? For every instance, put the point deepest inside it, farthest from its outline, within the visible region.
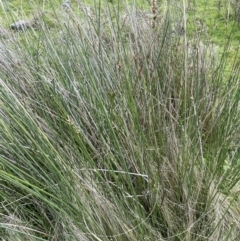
(122, 124)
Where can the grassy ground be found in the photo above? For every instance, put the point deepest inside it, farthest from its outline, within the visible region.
(216, 16)
(111, 129)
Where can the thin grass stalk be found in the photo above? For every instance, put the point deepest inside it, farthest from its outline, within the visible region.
(154, 13)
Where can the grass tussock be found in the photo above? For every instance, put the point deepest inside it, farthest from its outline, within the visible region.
(116, 127)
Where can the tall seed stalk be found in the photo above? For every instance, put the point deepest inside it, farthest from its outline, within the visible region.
(154, 13)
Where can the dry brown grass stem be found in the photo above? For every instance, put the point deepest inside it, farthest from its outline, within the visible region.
(154, 13)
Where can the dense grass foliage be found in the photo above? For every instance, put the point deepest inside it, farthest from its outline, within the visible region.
(112, 129)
